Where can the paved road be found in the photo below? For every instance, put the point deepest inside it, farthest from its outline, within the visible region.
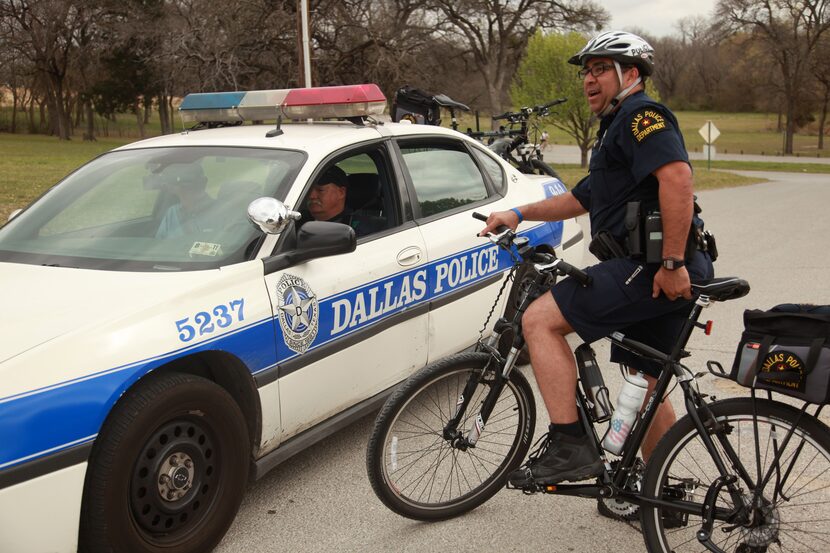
(773, 234)
(562, 153)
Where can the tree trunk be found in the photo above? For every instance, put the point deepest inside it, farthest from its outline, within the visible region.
(90, 121)
(790, 131)
(164, 114)
(14, 110)
(148, 110)
(139, 118)
(58, 117)
(823, 118)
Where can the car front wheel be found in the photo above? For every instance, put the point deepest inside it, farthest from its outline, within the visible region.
(168, 469)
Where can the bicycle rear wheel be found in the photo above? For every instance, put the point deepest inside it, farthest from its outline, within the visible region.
(795, 504)
(542, 168)
(418, 473)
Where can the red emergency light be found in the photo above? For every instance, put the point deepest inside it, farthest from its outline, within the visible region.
(341, 102)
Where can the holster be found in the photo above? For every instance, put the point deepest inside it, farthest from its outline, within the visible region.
(604, 247)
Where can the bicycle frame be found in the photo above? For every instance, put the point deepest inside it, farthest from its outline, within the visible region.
(609, 486)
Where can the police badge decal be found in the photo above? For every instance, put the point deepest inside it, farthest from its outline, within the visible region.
(298, 312)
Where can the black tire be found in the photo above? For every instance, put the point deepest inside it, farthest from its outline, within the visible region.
(434, 480)
(795, 524)
(542, 168)
(168, 469)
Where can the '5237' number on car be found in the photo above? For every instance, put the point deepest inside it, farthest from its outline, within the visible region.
(204, 322)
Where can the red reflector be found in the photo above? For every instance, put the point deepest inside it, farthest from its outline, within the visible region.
(753, 345)
(708, 329)
(350, 94)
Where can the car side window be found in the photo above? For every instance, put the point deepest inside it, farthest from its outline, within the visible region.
(493, 169)
(444, 176)
(369, 202)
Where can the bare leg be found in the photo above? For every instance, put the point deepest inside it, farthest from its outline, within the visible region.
(664, 418)
(551, 357)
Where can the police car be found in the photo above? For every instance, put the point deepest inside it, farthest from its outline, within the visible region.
(159, 351)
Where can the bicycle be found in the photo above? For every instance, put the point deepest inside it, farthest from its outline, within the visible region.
(746, 474)
(506, 141)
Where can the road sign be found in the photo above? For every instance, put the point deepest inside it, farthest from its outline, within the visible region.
(709, 132)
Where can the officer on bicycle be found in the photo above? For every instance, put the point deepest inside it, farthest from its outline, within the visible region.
(639, 156)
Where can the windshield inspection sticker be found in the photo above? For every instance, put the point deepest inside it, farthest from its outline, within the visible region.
(298, 312)
(205, 248)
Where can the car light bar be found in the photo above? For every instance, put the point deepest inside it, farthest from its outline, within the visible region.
(360, 100)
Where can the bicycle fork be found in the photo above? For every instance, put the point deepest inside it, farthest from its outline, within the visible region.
(451, 432)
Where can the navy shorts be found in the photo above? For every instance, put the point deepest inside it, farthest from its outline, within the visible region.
(619, 299)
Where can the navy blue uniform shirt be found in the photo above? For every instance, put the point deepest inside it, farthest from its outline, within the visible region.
(640, 137)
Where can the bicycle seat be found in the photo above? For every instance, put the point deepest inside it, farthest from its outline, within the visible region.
(445, 101)
(721, 289)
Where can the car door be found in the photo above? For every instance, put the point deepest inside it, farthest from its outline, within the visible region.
(351, 326)
(446, 184)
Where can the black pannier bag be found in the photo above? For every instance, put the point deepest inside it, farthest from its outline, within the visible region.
(786, 350)
(416, 105)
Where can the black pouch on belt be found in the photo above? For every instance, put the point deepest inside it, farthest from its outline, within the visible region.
(605, 247)
(633, 220)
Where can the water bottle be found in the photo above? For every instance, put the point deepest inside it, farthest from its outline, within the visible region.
(592, 383)
(628, 405)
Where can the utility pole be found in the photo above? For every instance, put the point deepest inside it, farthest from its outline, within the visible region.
(303, 43)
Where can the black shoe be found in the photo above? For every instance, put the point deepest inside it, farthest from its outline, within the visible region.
(561, 457)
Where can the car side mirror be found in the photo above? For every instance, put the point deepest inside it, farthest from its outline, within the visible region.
(314, 239)
(270, 215)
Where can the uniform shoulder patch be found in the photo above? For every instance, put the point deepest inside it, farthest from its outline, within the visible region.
(647, 122)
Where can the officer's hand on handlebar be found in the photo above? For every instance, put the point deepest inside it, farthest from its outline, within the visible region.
(498, 219)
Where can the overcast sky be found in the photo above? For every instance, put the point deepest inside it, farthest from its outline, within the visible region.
(657, 17)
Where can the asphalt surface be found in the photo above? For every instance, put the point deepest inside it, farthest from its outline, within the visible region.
(564, 153)
(774, 235)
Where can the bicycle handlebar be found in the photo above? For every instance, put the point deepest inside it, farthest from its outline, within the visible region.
(526, 112)
(505, 238)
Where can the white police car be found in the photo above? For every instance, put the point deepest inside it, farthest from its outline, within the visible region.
(158, 350)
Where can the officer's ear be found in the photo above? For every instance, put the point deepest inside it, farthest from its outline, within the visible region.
(630, 74)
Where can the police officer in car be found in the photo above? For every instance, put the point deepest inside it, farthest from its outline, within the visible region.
(327, 198)
(639, 166)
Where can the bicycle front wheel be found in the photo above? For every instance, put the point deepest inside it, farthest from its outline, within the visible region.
(416, 471)
(791, 512)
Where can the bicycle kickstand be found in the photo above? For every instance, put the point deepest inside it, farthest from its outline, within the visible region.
(704, 535)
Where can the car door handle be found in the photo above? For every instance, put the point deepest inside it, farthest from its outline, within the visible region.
(409, 256)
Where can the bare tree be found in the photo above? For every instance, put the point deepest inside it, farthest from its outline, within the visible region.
(45, 32)
(495, 32)
(820, 68)
(791, 29)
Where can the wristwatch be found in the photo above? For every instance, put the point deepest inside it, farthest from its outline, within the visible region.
(673, 263)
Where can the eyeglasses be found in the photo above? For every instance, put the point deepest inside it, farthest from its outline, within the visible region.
(594, 70)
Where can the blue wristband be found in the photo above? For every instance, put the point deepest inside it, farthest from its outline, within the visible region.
(518, 213)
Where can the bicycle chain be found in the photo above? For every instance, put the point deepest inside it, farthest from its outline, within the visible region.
(509, 278)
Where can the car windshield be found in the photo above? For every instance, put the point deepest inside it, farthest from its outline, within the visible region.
(153, 209)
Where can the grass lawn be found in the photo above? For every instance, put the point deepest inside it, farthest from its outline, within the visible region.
(30, 164)
(704, 179)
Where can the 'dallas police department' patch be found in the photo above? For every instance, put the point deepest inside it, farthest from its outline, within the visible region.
(298, 312)
(783, 369)
(647, 122)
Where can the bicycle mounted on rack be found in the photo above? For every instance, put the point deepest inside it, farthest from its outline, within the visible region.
(742, 474)
(509, 139)
(421, 107)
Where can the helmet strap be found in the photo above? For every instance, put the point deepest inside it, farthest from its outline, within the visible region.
(613, 104)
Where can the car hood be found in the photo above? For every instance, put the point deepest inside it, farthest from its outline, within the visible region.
(42, 303)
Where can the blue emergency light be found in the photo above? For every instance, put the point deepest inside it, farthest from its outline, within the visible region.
(339, 102)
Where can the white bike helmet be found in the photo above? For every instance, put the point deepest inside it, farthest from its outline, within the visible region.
(623, 49)
(620, 46)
